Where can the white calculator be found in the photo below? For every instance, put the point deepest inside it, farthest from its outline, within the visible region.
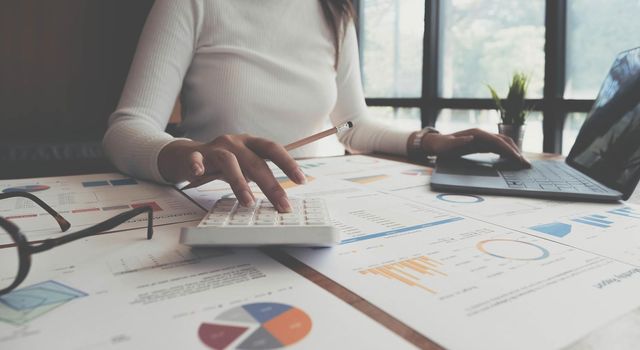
(230, 224)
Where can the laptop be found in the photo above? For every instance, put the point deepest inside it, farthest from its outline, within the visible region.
(604, 162)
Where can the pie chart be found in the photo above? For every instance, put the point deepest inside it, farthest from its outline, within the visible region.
(460, 198)
(28, 188)
(512, 249)
(256, 326)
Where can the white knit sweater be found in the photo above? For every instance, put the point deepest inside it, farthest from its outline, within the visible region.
(261, 67)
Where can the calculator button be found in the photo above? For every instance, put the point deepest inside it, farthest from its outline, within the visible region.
(264, 222)
(241, 216)
(290, 223)
(267, 212)
(238, 223)
(217, 216)
(316, 222)
(221, 211)
(288, 216)
(268, 217)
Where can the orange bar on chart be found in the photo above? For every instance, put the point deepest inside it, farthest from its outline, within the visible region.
(409, 271)
(399, 270)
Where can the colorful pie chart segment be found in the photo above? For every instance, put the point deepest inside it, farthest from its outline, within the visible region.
(256, 326)
(218, 336)
(27, 188)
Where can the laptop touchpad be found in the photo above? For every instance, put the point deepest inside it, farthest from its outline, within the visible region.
(467, 168)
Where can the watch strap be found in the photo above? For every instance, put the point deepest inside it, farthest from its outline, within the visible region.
(416, 146)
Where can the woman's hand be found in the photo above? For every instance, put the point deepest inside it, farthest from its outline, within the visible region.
(471, 141)
(237, 159)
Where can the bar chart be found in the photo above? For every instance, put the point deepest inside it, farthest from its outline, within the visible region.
(411, 272)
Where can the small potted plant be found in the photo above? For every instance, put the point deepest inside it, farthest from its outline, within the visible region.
(512, 109)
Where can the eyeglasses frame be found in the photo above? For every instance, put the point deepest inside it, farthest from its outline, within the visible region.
(26, 248)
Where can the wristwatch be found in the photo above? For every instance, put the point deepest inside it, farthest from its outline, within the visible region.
(416, 147)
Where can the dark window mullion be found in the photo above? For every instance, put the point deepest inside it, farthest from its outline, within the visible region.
(583, 106)
(481, 103)
(430, 64)
(554, 74)
(394, 102)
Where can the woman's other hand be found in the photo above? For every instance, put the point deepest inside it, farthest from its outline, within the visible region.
(471, 141)
(236, 159)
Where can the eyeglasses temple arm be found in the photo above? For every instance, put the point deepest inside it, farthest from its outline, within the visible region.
(97, 229)
(62, 222)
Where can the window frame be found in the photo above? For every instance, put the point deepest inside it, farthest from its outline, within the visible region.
(553, 105)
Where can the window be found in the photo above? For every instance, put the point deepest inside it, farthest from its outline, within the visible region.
(452, 120)
(391, 46)
(572, 125)
(566, 46)
(485, 42)
(597, 30)
(401, 118)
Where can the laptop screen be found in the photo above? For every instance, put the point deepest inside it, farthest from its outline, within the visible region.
(608, 145)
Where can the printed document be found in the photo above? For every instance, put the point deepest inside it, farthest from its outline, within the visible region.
(121, 291)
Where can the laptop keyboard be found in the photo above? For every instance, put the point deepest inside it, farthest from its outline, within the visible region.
(551, 176)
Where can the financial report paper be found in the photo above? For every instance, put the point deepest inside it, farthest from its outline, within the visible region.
(121, 291)
(461, 269)
(85, 200)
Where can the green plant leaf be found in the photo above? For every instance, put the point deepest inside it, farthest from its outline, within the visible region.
(497, 101)
(514, 105)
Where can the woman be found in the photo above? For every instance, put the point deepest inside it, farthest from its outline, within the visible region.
(254, 75)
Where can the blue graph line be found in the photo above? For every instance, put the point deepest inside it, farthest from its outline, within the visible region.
(628, 212)
(586, 222)
(400, 230)
(595, 219)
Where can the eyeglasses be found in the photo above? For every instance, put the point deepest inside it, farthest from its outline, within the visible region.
(16, 251)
